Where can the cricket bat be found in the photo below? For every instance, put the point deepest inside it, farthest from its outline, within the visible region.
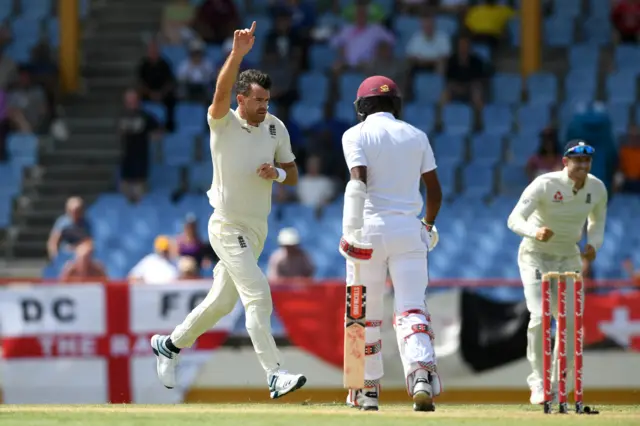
(354, 332)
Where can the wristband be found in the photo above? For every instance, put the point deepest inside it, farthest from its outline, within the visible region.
(282, 175)
(428, 225)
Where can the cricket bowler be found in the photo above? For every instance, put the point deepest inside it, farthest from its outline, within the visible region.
(386, 158)
(550, 216)
(244, 144)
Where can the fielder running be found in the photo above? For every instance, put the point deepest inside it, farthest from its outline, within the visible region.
(387, 158)
(244, 144)
(550, 215)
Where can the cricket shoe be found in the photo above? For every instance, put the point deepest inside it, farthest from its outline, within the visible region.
(166, 361)
(282, 383)
(365, 399)
(537, 395)
(422, 393)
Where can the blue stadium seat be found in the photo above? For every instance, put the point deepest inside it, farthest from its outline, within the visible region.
(449, 147)
(599, 9)
(214, 54)
(321, 57)
(306, 115)
(6, 8)
(506, 88)
(263, 24)
(457, 118)
(584, 57)
(621, 87)
(533, 117)
(497, 119)
(156, 110)
(477, 181)
(164, 177)
(580, 86)
(447, 24)
(421, 116)
(53, 31)
(190, 117)
(22, 148)
(344, 111)
(513, 29)
(620, 116)
(486, 148)
(522, 147)
(627, 57)
(313, 87)
(406, 25)
(542, 88)
(200, 176)
(428, 87)
(447, 171)
(513, 179)
(20, 50)
(597, 30)
(567, 8)
(348, 84)
(177, 149)
(558, 31)
(174, 55)
(36, 9)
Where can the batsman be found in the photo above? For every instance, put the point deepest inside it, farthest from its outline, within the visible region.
(383, 234)
(550, 216)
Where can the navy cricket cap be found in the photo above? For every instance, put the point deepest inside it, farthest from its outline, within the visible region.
(578, 147)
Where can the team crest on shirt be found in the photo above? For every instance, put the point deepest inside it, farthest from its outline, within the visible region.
(558, 197)
(272, 130)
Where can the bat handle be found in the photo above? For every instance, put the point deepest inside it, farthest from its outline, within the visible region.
(356, 273)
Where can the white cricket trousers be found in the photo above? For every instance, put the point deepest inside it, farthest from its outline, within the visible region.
(236, 275)
(398, 251)
(532, 266)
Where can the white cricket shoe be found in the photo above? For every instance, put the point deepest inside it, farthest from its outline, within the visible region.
(282, 383)
(366, 399)
(422, 393)
(166, 362)
(537, 395)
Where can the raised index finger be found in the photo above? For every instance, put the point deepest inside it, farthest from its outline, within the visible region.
(253, 28)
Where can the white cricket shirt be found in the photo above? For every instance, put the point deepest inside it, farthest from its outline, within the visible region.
(396, 155)
(549, 201)
(237, 150)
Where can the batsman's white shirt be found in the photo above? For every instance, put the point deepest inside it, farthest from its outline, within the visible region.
(550, 201)
(396, 155)
(237, 150)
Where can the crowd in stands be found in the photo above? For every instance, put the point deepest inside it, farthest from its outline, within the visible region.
(493, 131)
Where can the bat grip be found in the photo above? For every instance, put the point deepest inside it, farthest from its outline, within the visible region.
(356, 273)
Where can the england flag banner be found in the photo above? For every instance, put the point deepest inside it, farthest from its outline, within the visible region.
(89, 343)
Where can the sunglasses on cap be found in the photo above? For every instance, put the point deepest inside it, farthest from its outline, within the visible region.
(580, 150)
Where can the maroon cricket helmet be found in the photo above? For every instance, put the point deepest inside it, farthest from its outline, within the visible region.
(377, 86)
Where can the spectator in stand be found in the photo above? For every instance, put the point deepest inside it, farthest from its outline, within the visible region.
(84, 267)
(287, 41)
(357, 43)
(465, 75)
(627, 178)
(290, 260)
(549, 156)
(374, 12)
(70, 229)
(189, 245)
(302, 12)
(384, 63)
(28, 108)
(428, 49)
(188, 269)
(488, 21)
(625, 16)
(44, 70)
(195, 74)
(156, 267)
(177, 17)
(315, 190)
(216, 20)
(226, 49)
(156, 81)
(135, 128)
(283, 75)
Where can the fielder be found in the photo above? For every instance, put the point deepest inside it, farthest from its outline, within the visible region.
(244, 144)
(550, 216)
(387, 158)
